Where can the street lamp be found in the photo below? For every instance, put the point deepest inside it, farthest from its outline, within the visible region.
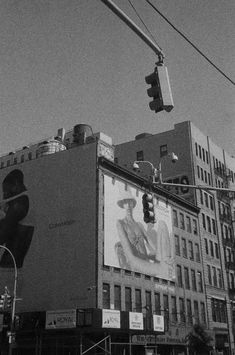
(14, 297)
(156, 172)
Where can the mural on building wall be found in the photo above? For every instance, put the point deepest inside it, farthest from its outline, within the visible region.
(129, 242)
(16, 231)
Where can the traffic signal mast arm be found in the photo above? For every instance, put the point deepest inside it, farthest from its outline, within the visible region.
(134, 27)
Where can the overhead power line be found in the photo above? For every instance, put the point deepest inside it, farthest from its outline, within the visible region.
(144, 24)
(193, 45)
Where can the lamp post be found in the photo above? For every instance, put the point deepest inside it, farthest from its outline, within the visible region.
(14, 297)
(156, 172)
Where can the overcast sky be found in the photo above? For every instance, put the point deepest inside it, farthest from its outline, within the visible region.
(64, 62)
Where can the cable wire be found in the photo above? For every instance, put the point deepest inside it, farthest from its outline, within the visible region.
(193, 45)
(142, 21)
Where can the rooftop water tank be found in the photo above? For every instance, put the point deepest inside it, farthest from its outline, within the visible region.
(50, 147)
(82, 133)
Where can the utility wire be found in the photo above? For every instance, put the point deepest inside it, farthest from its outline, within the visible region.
(193, 45)
(142, 21)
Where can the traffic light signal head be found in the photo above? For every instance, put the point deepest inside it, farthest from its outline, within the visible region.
(160, 90)
(148, 208)
(5, 302)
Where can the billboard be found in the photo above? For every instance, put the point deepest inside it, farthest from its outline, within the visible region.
(48, 221)
(129, 242)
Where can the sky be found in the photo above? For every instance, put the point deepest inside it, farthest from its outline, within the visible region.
(65, 62)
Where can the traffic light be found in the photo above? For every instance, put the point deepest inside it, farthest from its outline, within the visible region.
(148, 208)
(5, 301)
(8, 302)
(160, 89)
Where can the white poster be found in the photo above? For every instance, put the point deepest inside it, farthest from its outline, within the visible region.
(111, 318)
(136, 321)
(61, 319)
(130, 243)
(158, 323)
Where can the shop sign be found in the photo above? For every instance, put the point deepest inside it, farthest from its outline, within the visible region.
(61, 319)
(152, 339)
(111, 318)
(136, 320)
(158, 323)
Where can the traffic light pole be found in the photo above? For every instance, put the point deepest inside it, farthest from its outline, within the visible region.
(134, 27)
(14, 298)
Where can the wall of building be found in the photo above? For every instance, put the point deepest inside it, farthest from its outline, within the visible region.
(56, 242)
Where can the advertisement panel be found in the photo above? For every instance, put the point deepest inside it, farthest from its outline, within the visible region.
(111, 318)
(129, 242)
(45, 206)
(61, 319)
(136, 321)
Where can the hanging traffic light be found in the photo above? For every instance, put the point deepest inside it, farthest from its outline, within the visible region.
(5, 301)
(148, 208)
(8, 302)
(160, 89)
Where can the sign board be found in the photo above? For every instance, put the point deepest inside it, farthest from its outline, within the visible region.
(158, 323)
(136, 321)
(61, 319)
(111, 318)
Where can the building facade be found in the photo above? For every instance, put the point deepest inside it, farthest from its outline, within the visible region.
(200, 162)
(91, 276)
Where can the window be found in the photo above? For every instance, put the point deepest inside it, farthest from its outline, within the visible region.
(140, 155)
(206, 246)
(207, 157)
(106, 296)
(193, 277)
(184, 248)
(203, 154)
(199, 281)
(202, 176)
(186, 278)
(203, 221)
(182, 225)
(214, 276)
(211, 248)
(190, 250)
(177, 245)
(198, 172)
(128, 301)
(201, 197)
(194, 227)
(29, 155)
(182, 310)
(157, 303)
(218, 310)
(179, 276)
(189, 311)
(197, 252)
(173, 309)
(208, 223)
(163, 150)
(196, 312)
(203, 313)
(175, 218)
(220, 279)
(138, 300)
(188, 224)
(216, 251)
(211, 203)
(200, 152)
(22, 158)
(148, 300)
(196, 148)
(206, 199)
(209, 274)
(117, 297)
(213, 226)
